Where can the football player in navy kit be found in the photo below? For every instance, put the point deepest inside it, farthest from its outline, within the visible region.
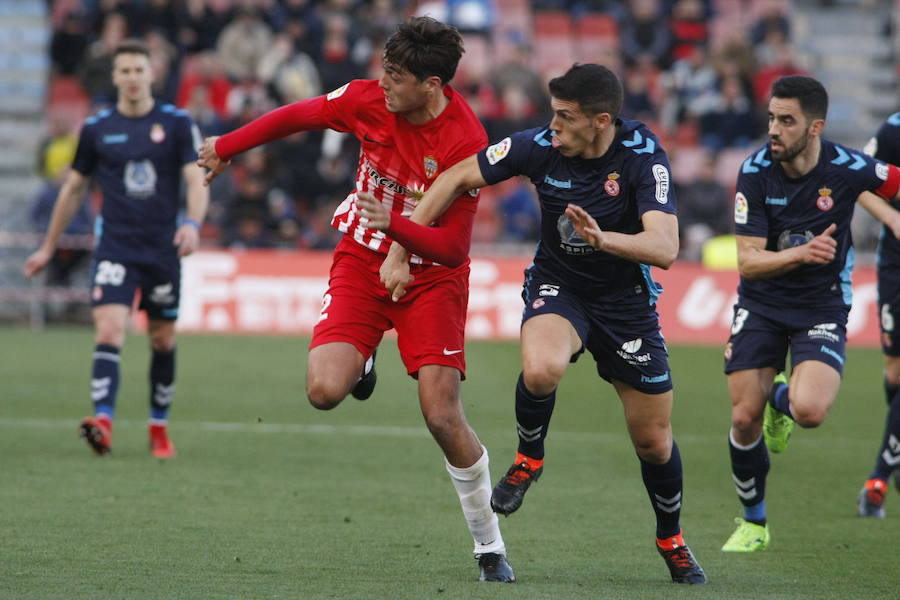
(139, 150)
(608, 213)
(886, 146)
(794, 202)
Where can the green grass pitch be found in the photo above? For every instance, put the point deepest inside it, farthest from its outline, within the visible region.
(270, 498)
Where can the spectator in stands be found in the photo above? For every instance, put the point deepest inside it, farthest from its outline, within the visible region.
(780, 64)
(689, 27)
(517, 71)
(68, 44)
(337, 66)
(201, 23)
(159, 15)
(166, 67)
(94, 70)
(515, 112)
(639, 103)
(731, 121)
(689, 79)
(703, 210)
(772, 18)
(290, 75)
(644, 35)
(521, 213)
(203, 112)
(243, 42)
(205, 72)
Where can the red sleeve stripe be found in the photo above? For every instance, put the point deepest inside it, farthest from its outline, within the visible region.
(891, 185)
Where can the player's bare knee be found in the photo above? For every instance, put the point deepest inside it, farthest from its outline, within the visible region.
(323, 397)
(653, 451)
(542, 378)
(744, 423)
(809, 416)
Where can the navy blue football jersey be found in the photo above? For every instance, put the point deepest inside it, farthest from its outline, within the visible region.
(631, 178)
(138, 162)
(789, 212)
(886, 146)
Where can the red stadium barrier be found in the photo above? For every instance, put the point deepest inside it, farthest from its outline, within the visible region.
(266, 291)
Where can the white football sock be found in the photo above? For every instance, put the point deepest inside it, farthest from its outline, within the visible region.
(473, 486)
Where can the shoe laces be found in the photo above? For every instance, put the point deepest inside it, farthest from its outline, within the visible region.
(519, 473)
(875, 491)
(680, 556)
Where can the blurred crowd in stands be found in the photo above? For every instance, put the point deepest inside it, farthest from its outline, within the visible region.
(697, 71)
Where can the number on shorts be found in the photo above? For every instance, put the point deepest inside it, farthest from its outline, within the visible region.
(109, 273)
(326, 301)
(887, 319)
(740, 317)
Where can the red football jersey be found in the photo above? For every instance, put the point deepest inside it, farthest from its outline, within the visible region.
(398, 160)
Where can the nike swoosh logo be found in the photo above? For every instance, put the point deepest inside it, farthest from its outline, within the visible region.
(450, 352)
(366, 138)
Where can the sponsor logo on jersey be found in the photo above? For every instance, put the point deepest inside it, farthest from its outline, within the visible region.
(548, 289)
(776, 201)
(881, 171)
(824, 201)
(611, 187)
(431, 166)
(741, 209)
(789, 239)
(386, 182)
(115, 138)
(140, 178)
(417, 191)
(157, 133)
(632, 346)
(537, 303)
(569, 240)
(661, 175)
(338, 92)
(498, 151)
(566, 185)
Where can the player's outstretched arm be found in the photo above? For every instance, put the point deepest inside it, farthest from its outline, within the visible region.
(656, 245)
(187, 238)
(67, 203)
(755, 262)
(882, 211)
(208, 159)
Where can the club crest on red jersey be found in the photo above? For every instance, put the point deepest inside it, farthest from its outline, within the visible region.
(431, 166)
(611, 187)
(157, 133)
(824, 201)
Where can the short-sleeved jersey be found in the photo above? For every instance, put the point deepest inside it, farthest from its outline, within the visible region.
(885, 146)
(138, 162)
(398, 160)
(789, 212)
(630, 179)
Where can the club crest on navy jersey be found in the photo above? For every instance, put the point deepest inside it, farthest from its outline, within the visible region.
(431, 166)
(824, 201)
(157, 133)
(611, 187)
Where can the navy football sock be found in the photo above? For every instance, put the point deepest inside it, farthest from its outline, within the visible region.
(105, 379)
(889, 453)
(532, 419)
(664, 486)
(162, 387)
(749, 467)
(779, 400)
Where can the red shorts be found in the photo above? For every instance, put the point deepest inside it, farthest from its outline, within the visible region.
(430, 319)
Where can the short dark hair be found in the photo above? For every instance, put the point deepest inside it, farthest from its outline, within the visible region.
(425, 47)
(594, 87)
(132, 46)
(809, 93)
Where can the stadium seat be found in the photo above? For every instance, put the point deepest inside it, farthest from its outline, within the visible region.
(554, 48)
(596, 35)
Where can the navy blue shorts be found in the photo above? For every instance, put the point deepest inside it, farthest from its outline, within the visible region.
(761, 337)
(889, 310)
(623, 336)
(115, 282)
